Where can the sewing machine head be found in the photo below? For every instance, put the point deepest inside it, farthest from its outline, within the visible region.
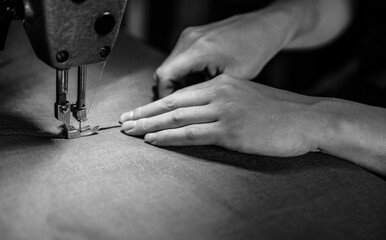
(66, 34)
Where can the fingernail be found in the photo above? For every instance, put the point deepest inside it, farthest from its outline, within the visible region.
(126, 116)
(127, 126)
(129, 115)
(150, 138)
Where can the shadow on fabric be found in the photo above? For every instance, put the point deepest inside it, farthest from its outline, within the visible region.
(15, 125)
(271, 165)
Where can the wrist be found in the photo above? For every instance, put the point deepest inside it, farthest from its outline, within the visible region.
(352, 131)
(324, 113)
(315, 22)
(339, 127)
(296, 18)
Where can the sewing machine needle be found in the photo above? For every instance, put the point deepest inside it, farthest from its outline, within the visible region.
(82, 76)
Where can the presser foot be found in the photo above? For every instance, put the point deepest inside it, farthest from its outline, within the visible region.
(64, 110)
(70, 132)
(63, 114)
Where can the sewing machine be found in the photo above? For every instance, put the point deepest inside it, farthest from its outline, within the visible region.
(66, 34)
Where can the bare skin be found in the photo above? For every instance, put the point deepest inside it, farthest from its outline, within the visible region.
(241, 46)
(243, 116)
(209, 113)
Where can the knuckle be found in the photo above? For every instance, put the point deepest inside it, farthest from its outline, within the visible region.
(143, 125)
(224, 89)
(222, 79)
(204, 43)
(139, 112)
(178, 116)
(190, 32)
(226, 79)
(191, 133)
(169, 102)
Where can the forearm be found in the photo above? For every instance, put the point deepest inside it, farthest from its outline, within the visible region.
(352, 131)
(311, 23)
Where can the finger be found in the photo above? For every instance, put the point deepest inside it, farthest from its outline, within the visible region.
(198, 134)
(174, 119)
(174, 85)
(184, 98)
(176, 67)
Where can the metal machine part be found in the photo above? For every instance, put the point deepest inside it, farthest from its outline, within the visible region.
(64, 109)
(66, 34)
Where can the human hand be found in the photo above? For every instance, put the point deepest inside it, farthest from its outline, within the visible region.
(239, 47)
(231, 113)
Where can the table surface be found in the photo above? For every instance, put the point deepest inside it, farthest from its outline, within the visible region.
(111, 186)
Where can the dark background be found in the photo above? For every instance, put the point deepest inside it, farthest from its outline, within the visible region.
(352, 67)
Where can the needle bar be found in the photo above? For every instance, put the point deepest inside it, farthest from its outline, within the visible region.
(61, 86)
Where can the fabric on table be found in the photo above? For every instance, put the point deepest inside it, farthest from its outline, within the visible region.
(111, 186)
